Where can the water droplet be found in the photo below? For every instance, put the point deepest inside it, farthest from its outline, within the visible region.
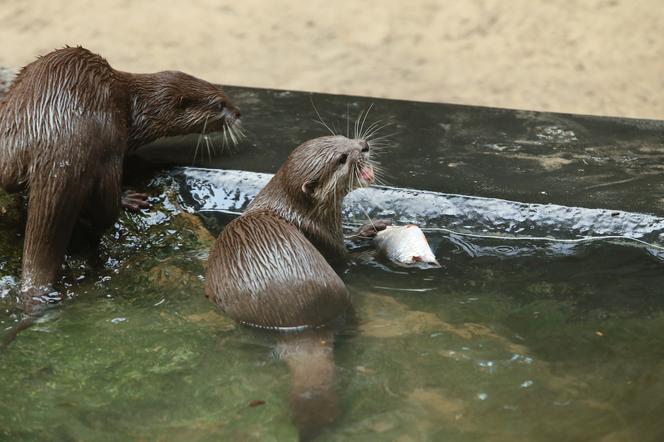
(526, 384)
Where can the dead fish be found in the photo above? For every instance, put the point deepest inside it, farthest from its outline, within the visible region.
(406, 246)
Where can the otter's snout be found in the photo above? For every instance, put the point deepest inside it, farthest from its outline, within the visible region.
(364, 145)
(232, 113)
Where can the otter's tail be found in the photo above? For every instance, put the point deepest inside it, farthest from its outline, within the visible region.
(313, 397)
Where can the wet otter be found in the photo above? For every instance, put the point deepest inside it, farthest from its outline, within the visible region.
(66, 124)
(271, 266)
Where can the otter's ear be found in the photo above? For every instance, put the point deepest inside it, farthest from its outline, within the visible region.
(309, 187)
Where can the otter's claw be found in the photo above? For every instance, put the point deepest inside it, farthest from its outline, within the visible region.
(371, 229)
(134, 202)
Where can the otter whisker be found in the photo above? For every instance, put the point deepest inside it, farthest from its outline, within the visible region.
(379, 173)
(379, 180)
(347, 120)
(355, 177)
(319, 117)
(381, 142)
(357, 124)
(231, 133)
(228, 134)
(237, 126)
(384, 137)
(198, 142)
(212, 151)
(351, 182)
(366, 114)
(371, 129)
(237, 132)
(375, 131)
(207, 144)
(378, 149)
(334, 126)
(324, 125)
(369, 218)
(226, 143)
(223, 139)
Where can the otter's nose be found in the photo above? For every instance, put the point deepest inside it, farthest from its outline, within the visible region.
(232, 112)
(364, 145)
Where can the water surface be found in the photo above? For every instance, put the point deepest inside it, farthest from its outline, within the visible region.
(512, 339)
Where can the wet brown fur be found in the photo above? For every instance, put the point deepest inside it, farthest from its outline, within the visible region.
(67, 122)
(270, 268)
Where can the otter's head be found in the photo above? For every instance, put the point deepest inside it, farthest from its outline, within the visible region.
(326, 169)
(172, 103)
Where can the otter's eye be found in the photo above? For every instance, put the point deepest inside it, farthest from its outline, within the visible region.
(186, 102)
(343, 158)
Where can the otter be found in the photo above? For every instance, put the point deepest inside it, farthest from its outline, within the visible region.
(273, 266)
(66, 124)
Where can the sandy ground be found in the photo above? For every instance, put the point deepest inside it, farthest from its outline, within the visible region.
(585, 56)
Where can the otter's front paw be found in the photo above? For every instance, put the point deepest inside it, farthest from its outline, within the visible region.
(134, 202)
(371, 229)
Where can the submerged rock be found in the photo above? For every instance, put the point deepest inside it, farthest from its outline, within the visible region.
(438, 403)
(384, 317)
(213, 319)
(169, 275)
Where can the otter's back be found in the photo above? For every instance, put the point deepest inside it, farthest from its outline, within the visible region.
(58, 109)
(55, 91)
(263, 271)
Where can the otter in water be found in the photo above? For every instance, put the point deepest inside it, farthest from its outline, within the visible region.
(270, 267)
(66, 124)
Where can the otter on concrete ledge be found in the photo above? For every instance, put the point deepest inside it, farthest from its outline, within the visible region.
(66, 123)
(269, 267)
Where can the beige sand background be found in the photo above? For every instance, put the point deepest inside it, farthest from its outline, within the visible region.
(585, 56)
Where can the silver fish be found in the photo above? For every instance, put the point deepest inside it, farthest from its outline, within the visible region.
(406, 246)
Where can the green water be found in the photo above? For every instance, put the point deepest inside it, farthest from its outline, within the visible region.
(489, 348)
